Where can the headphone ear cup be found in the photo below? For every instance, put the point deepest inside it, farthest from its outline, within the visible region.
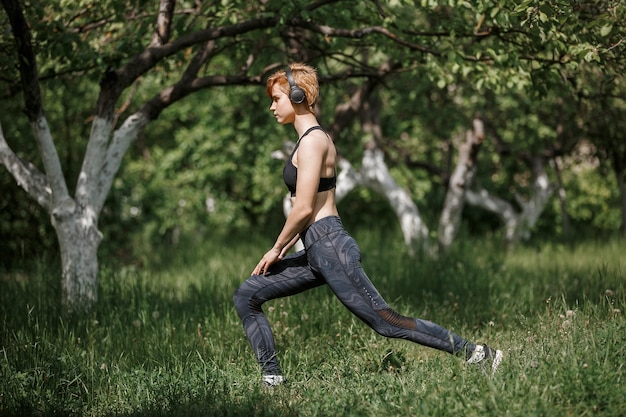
(297, 94)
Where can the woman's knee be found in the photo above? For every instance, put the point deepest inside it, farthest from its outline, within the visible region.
(244, 300)
(241, 299)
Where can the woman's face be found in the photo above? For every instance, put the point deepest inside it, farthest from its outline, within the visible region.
(281, 106)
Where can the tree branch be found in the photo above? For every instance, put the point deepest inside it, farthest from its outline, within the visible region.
(27, 175)
(164, 23)
(122, 138)
(26, 59)
(115, 81)
(206, 51)
(362, 32)
(182, 89)
(144, 61)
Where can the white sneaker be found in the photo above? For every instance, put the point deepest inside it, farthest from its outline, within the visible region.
(272, 380)
(484, 354)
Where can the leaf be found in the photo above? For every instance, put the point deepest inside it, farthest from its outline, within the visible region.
(591, 56)
(523, 6)
(606, 29)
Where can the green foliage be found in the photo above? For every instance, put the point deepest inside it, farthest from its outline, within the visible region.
(27, 226)
(593, 200)
(209, 169)
(165, 339)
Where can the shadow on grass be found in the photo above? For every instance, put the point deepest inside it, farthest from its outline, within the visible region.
(200, 407)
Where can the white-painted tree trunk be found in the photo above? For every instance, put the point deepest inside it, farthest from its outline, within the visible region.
(460, 181)
(79, 240)
(376, 176)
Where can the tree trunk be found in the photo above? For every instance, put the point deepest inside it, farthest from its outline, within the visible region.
(541, 191)
(622, 192)
(79, 240)
(376, 176)
(460, 182)
(562, 195)
(619, 170)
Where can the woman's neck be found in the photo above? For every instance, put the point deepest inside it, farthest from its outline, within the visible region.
(304, 122)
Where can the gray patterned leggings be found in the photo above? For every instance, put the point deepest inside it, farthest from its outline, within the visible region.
(331, 257)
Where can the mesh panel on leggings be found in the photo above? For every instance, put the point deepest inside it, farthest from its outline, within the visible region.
(396, 319)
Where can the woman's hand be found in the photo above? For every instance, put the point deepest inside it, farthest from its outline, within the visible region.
(271, 257)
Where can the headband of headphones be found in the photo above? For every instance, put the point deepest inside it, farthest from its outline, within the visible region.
(296, 94)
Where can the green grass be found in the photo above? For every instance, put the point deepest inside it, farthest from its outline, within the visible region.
(165, 340)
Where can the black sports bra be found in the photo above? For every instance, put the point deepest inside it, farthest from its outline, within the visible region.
(290, 172)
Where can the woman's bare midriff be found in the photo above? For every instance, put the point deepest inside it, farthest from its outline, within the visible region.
(324, 206)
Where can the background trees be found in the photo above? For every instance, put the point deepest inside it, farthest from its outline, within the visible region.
(95, 80)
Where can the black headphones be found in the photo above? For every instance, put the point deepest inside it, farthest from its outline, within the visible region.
(296, 94)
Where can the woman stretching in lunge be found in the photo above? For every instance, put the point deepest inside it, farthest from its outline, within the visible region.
(331, 256)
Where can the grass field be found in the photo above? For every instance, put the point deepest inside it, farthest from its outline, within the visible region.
(165, 340)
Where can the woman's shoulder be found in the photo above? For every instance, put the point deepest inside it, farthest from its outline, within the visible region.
(316, 140)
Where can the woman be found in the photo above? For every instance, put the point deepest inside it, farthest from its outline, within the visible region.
(331, 256)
